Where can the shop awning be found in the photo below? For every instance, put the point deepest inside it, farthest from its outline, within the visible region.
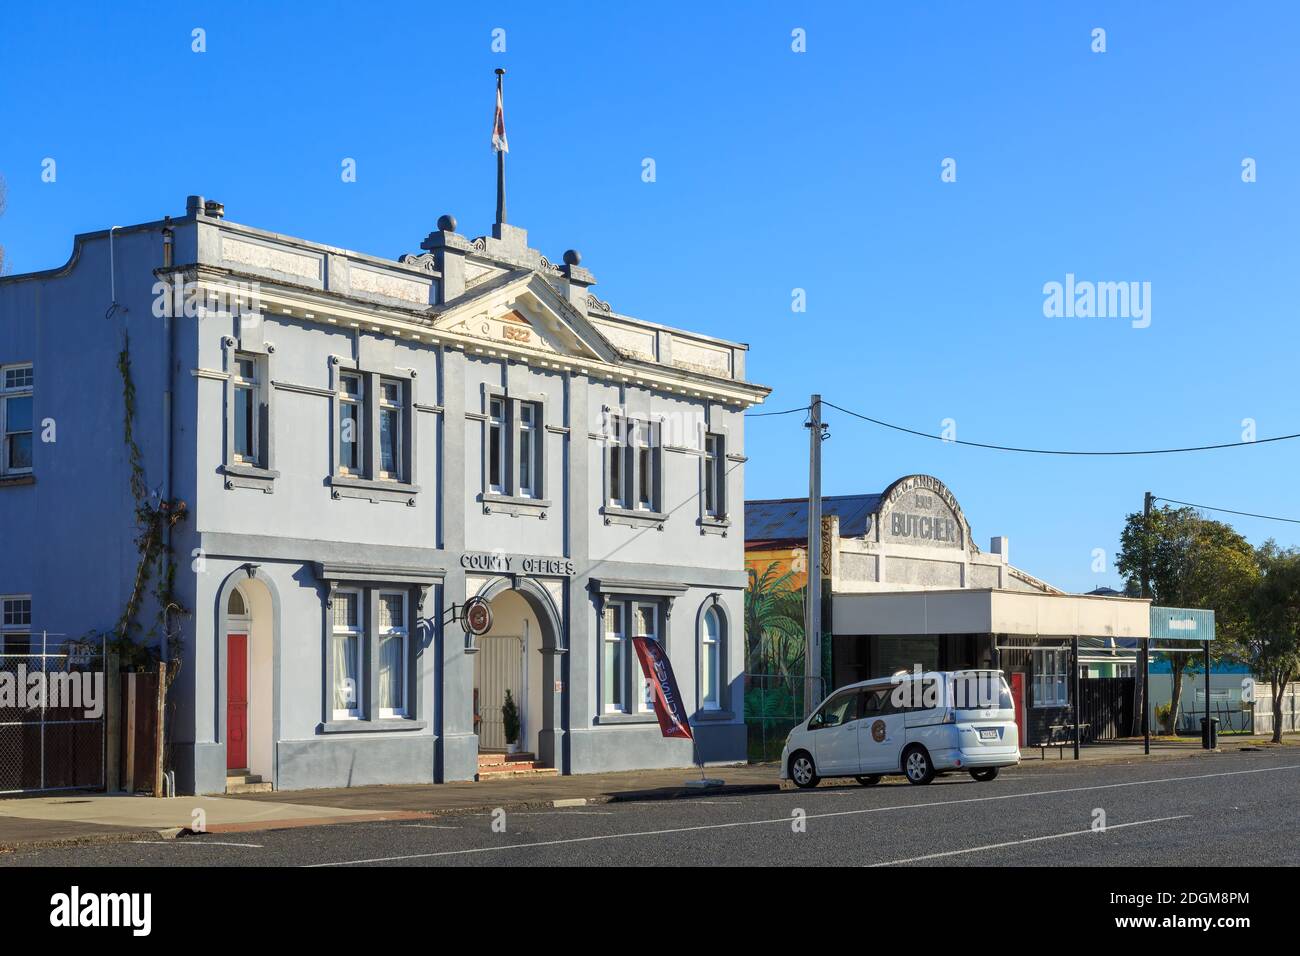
(989, 611)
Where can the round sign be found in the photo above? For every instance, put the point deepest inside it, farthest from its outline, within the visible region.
(878, 731)
(476, 618)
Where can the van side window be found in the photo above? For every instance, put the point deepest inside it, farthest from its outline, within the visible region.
(877, 703)
(840, 709)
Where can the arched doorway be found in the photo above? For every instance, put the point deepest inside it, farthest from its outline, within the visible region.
(247, 682)
(522, 655)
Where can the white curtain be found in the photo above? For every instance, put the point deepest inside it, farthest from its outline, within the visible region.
(390, 672)
(345, 672)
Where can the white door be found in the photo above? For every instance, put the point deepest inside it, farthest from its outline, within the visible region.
(500, 668)
(881, 733)
(836, 734)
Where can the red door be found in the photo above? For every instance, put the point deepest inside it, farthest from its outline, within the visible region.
(1018, 695)
(237, 702)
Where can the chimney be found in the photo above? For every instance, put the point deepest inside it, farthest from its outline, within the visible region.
(214, 209)
(449, 249)
(194, 206)
(1000, 546)
(576, 280)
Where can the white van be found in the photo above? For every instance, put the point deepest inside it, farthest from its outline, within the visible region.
(917, 724)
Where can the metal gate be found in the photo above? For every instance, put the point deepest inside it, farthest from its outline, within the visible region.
(500, 668)
(1106, 707)
(52, 706)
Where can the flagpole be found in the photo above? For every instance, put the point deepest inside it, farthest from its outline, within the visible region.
(501, 161)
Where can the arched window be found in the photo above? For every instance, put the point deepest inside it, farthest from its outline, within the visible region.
(711, 660)
(235, 607)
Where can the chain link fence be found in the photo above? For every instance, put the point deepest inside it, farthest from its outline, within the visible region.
(52, 727)
(774, 704)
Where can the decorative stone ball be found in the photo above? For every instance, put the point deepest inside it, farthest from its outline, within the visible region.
(572, 257)
(447, 223)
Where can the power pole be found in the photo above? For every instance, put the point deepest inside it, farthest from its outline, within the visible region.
(1146, 645)
(812, 614)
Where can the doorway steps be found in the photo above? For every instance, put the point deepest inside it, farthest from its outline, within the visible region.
(512, 765)
(237, 782)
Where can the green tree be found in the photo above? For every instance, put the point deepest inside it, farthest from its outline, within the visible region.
(1272, 646)
(773, 622)
(1192, 561)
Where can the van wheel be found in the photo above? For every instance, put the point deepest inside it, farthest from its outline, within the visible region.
(917, 766)
(985, 775)
(802, 770)
(870, 780)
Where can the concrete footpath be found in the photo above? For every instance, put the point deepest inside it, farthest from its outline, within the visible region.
(87, 817)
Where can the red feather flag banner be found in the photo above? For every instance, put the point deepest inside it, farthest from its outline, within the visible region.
(669, 707)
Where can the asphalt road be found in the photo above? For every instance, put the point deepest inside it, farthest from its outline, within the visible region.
(1231, 809)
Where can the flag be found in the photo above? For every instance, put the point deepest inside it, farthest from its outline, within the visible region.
(499, 125)
(669, 707)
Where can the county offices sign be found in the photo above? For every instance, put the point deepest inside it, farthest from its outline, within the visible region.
(499, 562)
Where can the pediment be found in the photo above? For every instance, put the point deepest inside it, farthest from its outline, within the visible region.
(524, 311)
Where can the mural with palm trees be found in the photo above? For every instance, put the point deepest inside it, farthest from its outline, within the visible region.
(774, 656)
(774, 639)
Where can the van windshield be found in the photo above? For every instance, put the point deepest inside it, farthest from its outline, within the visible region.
(979, 691)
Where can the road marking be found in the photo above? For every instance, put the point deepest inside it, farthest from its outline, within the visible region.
(426, 826)
(810, 816)
(191, 842)
(1054, 836)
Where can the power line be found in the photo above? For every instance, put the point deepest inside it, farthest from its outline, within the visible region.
(1053, 451)
(1246, 514)
(788, 411)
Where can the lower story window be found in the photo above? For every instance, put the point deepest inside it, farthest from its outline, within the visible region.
(1051, 678)
(614, 659)
(347, 655)
(710, 644)
(625, 689)
(392, 654)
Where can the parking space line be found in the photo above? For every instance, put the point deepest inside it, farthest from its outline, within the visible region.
(811, 816)
(193, 842)
(1038, 839)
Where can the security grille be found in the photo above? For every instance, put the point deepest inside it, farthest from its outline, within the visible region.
(49, 739)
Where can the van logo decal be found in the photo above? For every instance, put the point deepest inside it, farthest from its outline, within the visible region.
(878, 731)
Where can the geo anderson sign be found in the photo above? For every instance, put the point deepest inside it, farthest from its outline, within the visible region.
(921, 508)
(500, 563)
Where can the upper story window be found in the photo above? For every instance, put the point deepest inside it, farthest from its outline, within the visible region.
(615, 464)
(16, 623)
(246, 383)
(391, 450)
(715, 476)
(352, 403)
(16, 414)
(374, 440)
(496, 445)
(249, 435)
(514, 451)
(633, 465)
(529, 448)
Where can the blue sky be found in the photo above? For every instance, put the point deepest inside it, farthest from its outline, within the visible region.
(775, 170)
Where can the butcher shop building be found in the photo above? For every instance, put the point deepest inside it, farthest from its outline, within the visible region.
(905, 586)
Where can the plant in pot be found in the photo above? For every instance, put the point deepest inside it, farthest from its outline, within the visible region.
(510, 718)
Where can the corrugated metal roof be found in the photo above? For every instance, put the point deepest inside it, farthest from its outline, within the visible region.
(786, 519)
